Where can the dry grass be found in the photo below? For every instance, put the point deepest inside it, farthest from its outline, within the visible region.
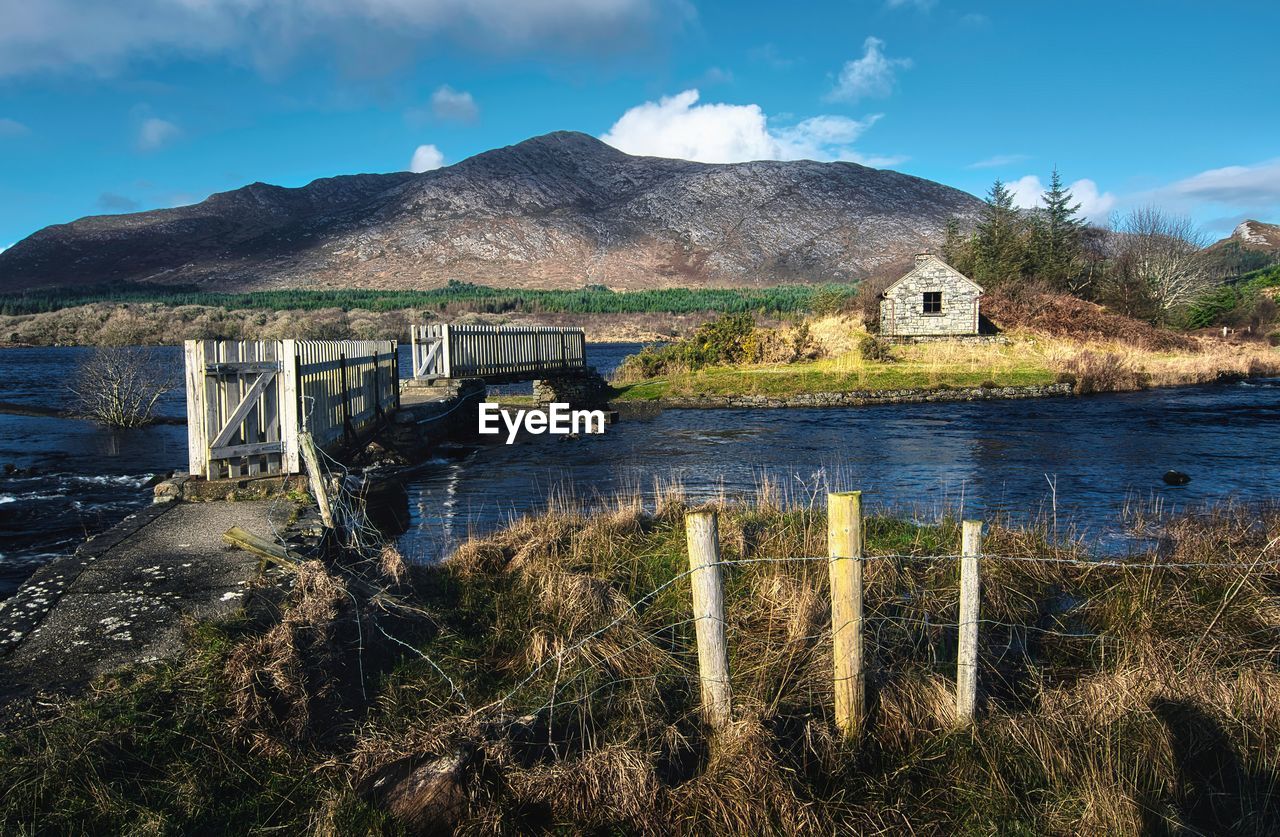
(276, 678)
(1119, 700)
(1093, 723)
(1047, 337)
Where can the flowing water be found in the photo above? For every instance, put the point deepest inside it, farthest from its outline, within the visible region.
(1081, 457)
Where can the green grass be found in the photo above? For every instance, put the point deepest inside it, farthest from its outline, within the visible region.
(783, 380)
(150, 751)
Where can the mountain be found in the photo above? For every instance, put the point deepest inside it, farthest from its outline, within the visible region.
(556, 211)
(1255, 235)
(1251, 245)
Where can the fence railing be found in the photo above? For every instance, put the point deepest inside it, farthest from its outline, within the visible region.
(494, 352)
(248, 400)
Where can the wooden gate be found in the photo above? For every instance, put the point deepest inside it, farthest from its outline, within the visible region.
(247, 400)
(496, 353)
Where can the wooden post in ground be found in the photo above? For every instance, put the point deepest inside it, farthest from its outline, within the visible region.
(316, 477)
(970, 603)
(844, 549)
(702, 534)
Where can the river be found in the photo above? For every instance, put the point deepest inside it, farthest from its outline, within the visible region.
(1081, 457)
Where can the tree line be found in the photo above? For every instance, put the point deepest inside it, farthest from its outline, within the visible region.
(1147, 263)
(454, 297)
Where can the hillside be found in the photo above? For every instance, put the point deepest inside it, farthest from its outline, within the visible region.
(556, 211)
(1252, 245)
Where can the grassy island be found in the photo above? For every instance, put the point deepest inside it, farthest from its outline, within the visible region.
(1056, 339)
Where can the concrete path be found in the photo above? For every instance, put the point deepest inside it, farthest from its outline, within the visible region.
(121, 597)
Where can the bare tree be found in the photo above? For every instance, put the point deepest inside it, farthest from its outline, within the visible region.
(1164, 255)
(120, 386)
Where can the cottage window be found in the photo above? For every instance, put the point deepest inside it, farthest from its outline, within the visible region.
(933, 302)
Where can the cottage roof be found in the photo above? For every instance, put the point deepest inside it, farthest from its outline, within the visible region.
(923, 259)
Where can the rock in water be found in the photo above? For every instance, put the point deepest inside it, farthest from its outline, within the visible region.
(1176, 478)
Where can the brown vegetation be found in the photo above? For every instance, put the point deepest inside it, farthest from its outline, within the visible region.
(551, 687)
(1063, 315)
(108, 324)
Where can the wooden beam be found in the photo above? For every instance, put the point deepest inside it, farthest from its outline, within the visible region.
(261, 547)
(316, 477)
(705, 579)
(242, 409)
(844, 546)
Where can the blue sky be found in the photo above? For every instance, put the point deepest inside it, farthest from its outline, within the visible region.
(142, 104)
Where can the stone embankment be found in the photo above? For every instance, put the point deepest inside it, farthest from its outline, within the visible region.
(862, 398)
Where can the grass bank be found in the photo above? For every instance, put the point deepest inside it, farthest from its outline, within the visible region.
(836, 354)
(543, 680)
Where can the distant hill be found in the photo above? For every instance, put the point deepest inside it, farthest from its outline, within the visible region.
(557, 211)
(1252, 245)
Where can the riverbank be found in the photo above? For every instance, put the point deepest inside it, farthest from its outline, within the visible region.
(544, 678)
(854, 398)
(854, 368)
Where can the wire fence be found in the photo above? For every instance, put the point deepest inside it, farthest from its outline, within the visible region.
(823, 633)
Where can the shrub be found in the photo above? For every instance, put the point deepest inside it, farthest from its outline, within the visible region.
(1105, 372)
(867, 300)
(119, 387)
(1274, 338)
(833, 300)
(1061, 315)
(873, 348)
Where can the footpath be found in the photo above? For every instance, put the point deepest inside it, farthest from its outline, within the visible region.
(123, 595)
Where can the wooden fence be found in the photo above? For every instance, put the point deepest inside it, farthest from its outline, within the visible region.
(248, 400)
(496, 352)
(845, 559)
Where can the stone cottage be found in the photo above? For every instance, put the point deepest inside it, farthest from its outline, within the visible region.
(932, 300)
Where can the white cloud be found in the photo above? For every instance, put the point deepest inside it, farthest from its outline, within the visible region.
(677, 126)
(1094, 205)
(922, 5)
(456, 105)
(7, 246)
(12, 128)
(998, 161)
(1254, 188)
(426, 158)
(872, 75)
(60, 35)
(155, 133)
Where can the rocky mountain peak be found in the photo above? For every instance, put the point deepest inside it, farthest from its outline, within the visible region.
(559, 210)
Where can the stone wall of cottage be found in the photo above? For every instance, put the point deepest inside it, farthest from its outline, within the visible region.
(902, 310)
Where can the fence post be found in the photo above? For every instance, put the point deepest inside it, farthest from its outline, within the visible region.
(844, 548)
(705, 578)
(970, 602)
(316, 477)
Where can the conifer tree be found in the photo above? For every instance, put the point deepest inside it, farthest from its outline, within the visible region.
(957, 250)
(1057, 235)
(999, 249)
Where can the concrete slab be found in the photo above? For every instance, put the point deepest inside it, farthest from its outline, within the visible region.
(122, 596)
